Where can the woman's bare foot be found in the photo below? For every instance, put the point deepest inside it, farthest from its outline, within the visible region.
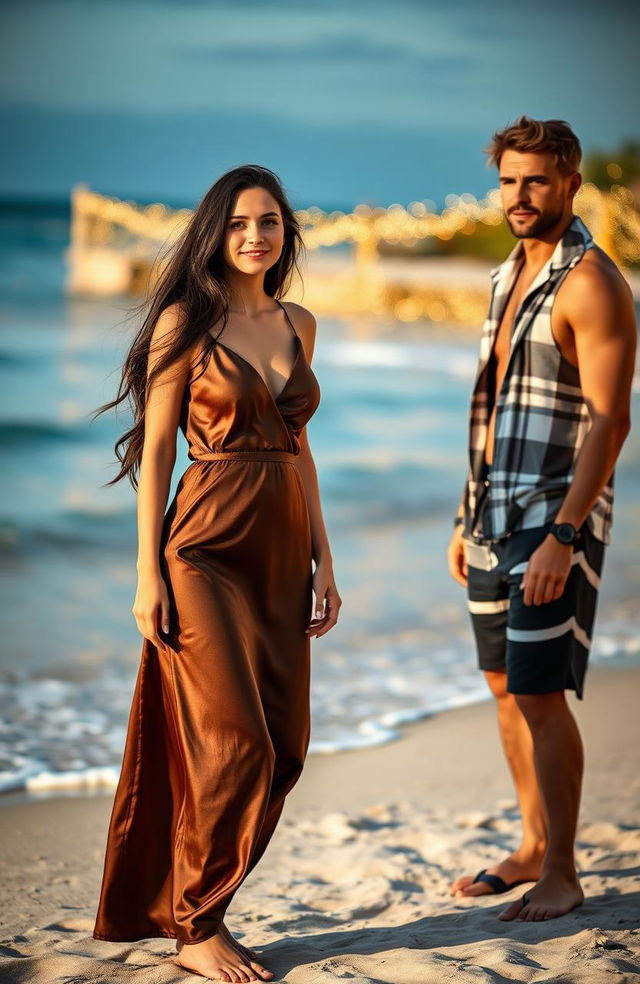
(226, 933)
(554, 895)
(219, 960)
(244, 950)
(521, 866)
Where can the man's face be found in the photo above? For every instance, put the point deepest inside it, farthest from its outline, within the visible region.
(535, 194)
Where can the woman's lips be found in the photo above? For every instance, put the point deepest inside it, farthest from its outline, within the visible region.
(255, 253)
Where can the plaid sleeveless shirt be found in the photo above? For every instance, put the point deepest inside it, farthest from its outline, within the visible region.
(541, 414)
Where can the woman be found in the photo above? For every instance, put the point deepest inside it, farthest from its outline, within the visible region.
(219, 724)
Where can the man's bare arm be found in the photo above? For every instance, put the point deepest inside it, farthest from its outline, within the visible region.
(599, 308)
(600, 311)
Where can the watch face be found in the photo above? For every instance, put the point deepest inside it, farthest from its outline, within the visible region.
(565, 532)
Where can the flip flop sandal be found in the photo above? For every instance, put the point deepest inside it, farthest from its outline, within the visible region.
(497, 885)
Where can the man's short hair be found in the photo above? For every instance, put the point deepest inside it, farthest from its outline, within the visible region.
(538, 137)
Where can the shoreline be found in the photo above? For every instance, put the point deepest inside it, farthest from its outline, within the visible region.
(400, 731)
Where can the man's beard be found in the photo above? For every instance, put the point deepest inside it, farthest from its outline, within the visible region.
(542, 224)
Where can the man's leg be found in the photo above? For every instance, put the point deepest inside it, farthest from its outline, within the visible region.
(525, 863)
(559, 764)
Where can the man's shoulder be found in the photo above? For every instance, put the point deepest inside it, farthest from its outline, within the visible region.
(595, 291)
(596, 275)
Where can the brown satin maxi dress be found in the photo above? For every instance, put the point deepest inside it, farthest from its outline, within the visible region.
(219, 725)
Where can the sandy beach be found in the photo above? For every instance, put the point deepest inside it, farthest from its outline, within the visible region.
(355, 883)
(376, 164)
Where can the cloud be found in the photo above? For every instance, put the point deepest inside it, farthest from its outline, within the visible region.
(328, 50)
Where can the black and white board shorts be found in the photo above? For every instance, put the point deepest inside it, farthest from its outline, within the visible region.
(542, 648)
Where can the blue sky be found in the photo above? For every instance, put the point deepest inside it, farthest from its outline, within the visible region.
(347, 101)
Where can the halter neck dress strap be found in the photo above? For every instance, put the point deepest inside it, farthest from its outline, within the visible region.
(280, 304)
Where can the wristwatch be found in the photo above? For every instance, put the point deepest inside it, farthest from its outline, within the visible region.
(564, 533)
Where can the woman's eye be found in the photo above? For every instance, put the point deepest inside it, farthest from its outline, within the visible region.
(236, 225)
(271, 222)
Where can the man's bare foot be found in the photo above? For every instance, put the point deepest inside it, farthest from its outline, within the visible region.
(553, 896)
(521, 866)
(219, 960)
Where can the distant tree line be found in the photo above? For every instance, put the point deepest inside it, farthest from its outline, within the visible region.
(602, 168)
(621, 166)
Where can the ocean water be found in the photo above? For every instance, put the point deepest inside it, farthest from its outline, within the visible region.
(389, 441)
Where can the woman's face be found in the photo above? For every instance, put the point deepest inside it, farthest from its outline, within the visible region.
(255, 232)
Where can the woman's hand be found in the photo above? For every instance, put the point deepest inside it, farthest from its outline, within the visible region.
(327, 601)
(151, 608)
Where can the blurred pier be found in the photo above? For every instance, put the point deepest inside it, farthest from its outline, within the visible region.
(385, 262)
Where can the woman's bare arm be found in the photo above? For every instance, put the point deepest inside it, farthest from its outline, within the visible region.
(328, 601)
(162, 417)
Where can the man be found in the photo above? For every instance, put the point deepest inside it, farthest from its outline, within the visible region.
(549, 415)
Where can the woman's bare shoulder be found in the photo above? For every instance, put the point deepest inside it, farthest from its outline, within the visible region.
(169, 321)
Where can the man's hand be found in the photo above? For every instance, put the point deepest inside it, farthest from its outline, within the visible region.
(457, 557)
(547, 572)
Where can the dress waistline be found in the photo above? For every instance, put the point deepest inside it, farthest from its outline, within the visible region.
(244, 456)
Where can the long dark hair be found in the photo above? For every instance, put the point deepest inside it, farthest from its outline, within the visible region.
(194, 277)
